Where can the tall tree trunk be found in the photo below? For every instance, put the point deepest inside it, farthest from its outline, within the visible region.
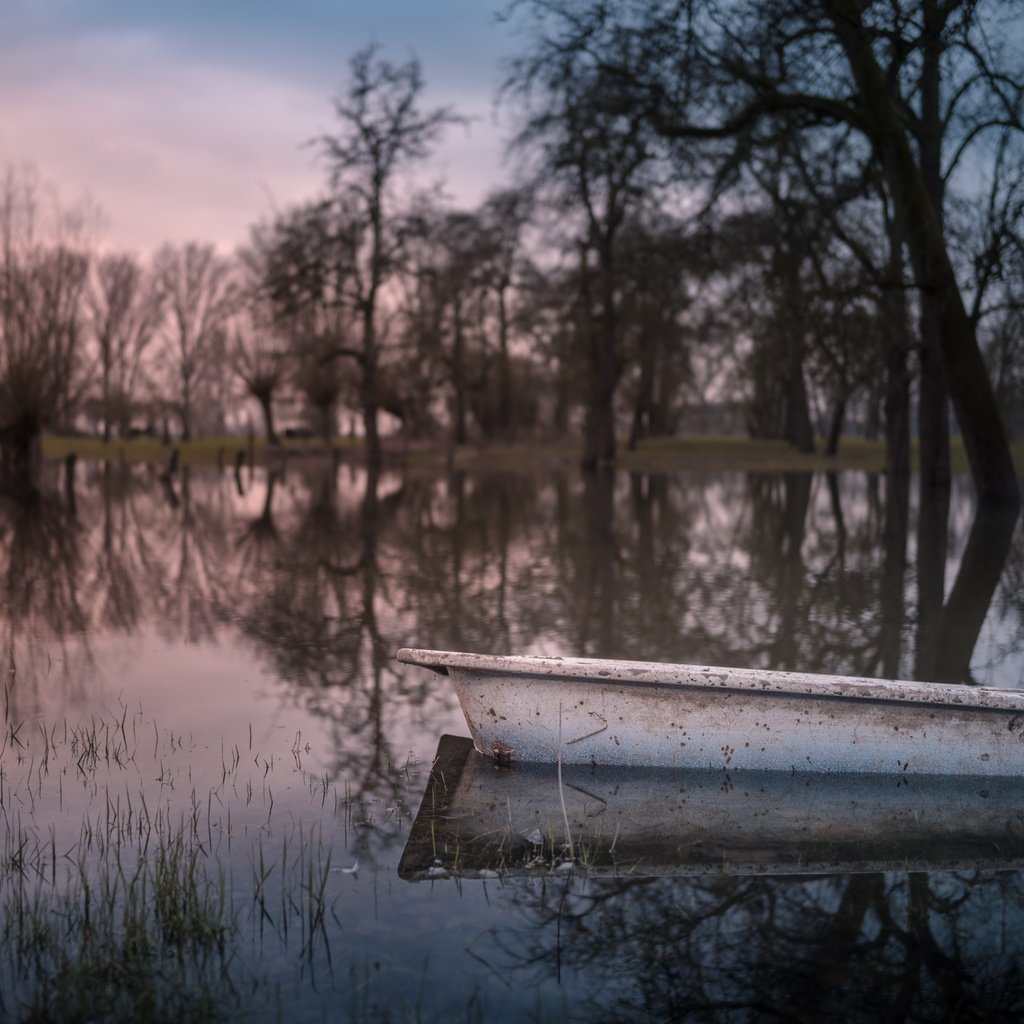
(636, 431)
(835, 424)
(186, 409)
(599, 422)
(765, 414)
(459, 434)
(980, 569)
(266, 401)
(504, 367)
(598, 624)
(369, 392)
(897, 410)
(370, 397)
(106, 388)
(897, 375)
(664, 388)
(891, 599)
(933, 406)
(981, 425)
(797, 428)
(643, 407)
(932, 548)
(933, 400)
(20, 454)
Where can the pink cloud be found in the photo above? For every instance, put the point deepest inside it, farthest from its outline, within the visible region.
(173, 150)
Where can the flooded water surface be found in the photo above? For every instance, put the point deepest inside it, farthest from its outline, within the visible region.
(223, 798)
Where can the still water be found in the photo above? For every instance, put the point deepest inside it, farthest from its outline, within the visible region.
(212, 763)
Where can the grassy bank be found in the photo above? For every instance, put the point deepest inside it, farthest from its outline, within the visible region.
(203, 451)
(696, 454)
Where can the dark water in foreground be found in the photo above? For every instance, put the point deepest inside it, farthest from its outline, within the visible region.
(203, 719)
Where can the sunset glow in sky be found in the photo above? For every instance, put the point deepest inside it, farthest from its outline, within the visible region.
(186, 120)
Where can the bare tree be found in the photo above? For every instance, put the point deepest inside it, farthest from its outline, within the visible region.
(719, 74)
(303, 268)
(259, 359)
(125, 312)
(200, 293)
(505, 215)
(994, 249)
(450, 304)
(44, 264)
(551, 314)
(850, 197)
(259, 345)
(411, 396)
(594, 164)
(457, 311)
(765, 251)
(659, 257)
(383, 130)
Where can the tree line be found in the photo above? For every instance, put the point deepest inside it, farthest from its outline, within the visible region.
(798, 211)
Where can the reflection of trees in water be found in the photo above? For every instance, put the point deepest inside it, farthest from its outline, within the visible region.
(892, 946)
(315, 593)
(659, 567)
(930, 566)
(778, 571)
(970, 597)
(43, 568)
(259, 540)
(157, 550)
(327, 570)
(824, 584)
(891, 603)
(1008, 614)
(299, 599)
(190, 602)
(117, 557)
(466, 543)
(671, 568)
(119, 583)
(43, 604)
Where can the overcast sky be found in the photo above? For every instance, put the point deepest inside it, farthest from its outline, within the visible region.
(185, 119)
